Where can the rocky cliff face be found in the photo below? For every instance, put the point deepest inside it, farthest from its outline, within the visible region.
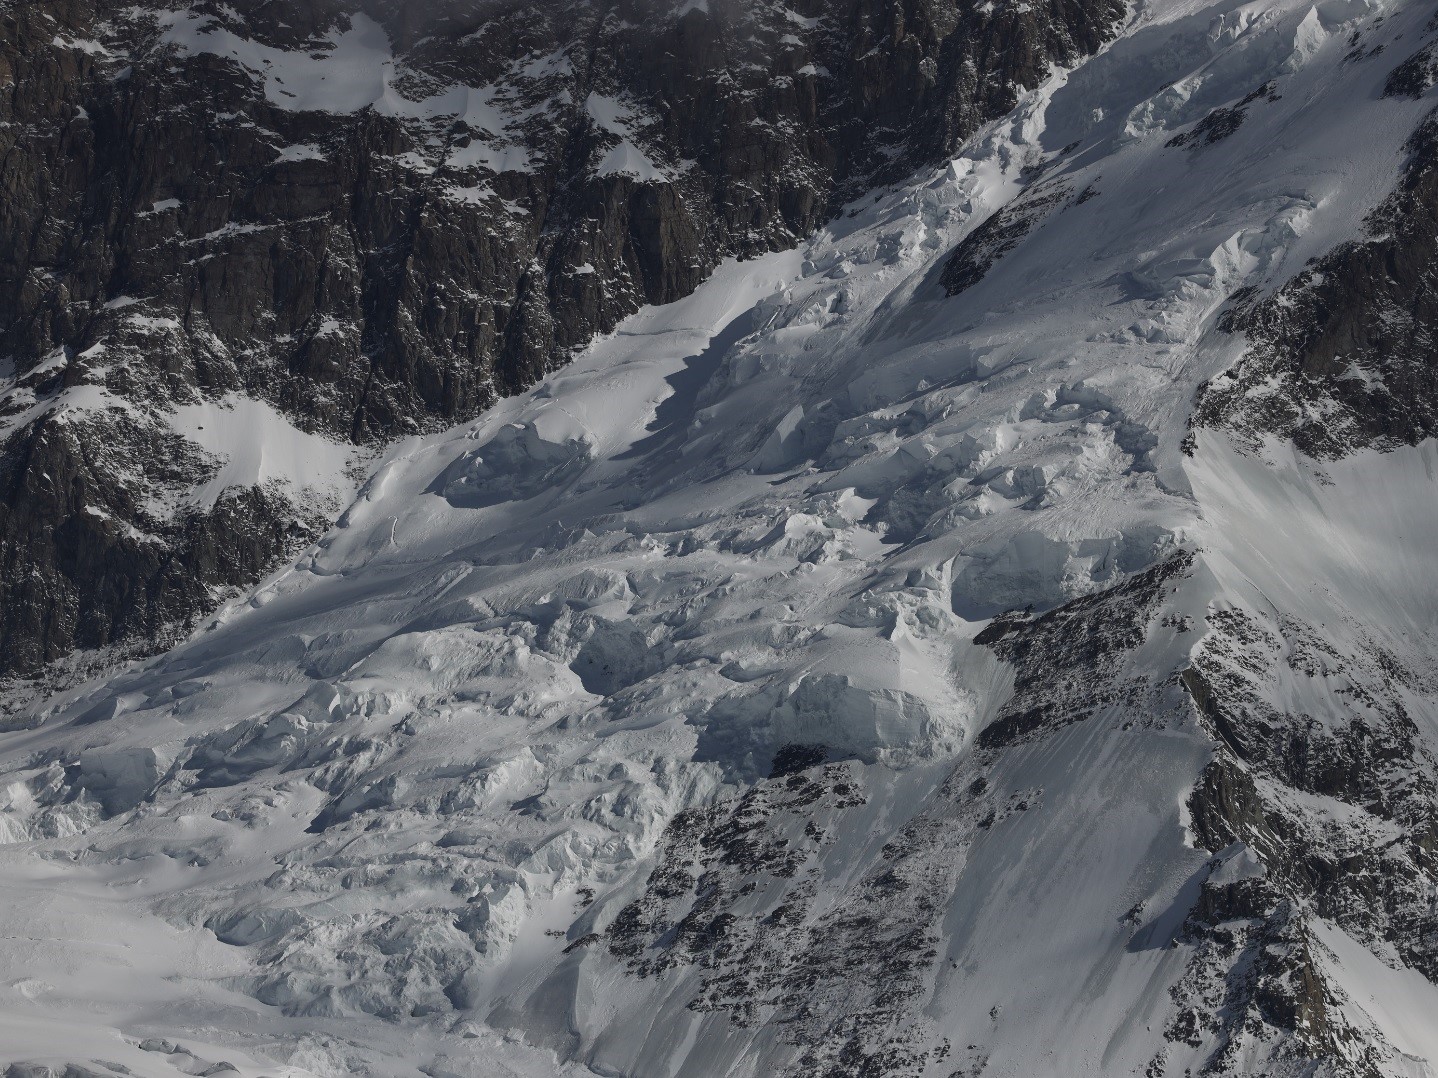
(377, 219)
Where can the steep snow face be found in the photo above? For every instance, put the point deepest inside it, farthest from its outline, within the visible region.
(858, 667)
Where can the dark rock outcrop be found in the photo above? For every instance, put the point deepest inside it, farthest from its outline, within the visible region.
(1371, 762)
(977, 253)
(1222, 122)
(1066, 660)
(1341, 357)
(1364, 863)
(1418, 74)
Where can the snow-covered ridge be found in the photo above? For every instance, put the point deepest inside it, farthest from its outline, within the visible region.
(597, 725)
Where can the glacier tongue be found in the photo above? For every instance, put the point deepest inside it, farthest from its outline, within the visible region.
(855, 668)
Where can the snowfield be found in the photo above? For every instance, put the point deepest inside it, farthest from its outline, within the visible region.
(681, 716)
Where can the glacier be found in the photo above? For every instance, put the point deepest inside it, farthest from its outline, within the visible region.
(862, 666)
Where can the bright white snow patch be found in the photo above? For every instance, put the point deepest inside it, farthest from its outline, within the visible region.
(624, 158)
(259, 446)
(303, 151)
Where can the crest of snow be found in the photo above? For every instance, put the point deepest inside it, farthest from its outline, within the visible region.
(555, 64)
(152, 323)
(162, 206)
(628, 160)
(609, 113)
(802, 21)
(1236, 864)
(228, 229)
(352, 73)
(495, 156)
(415, 162)
(55, 360)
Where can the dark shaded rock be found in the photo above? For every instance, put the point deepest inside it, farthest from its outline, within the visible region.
(1222, 122)
(1341, 357)
(977, 253)
(1416, 75)
(791, 759)
(1370, 762)
(88, 559)
(737, 892)
(1066, 660)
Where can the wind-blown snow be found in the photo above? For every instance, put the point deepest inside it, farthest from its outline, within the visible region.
(355, 825)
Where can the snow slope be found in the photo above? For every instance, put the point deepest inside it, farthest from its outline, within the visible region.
(501, 777)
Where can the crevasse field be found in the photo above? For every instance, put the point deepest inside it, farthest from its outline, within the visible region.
(674, 717)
